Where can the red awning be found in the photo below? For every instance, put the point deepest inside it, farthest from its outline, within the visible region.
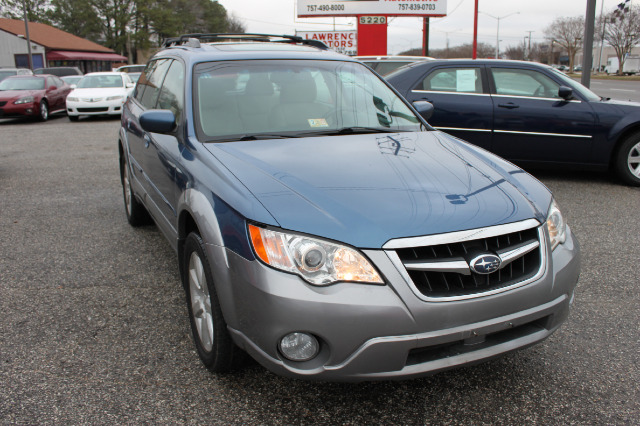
(66, 55)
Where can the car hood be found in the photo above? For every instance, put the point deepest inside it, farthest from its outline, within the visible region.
(99, 92)
(9, 95)
(367, 189)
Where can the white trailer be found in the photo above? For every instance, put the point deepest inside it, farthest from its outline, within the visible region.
(631, 65)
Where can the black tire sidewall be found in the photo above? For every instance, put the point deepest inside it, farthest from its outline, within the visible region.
(43, 104)
(220, 358)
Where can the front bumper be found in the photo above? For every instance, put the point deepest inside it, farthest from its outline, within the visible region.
(372, 332)
(21, 110)
(95, 108)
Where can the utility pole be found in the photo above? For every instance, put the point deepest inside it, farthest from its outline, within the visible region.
(587, 58)
(604, 25)
(26, 30)
(529, 53)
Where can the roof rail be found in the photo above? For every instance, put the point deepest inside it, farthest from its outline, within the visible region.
(193, 40)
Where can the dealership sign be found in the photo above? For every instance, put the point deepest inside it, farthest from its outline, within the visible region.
(308, 8)
(341, 41)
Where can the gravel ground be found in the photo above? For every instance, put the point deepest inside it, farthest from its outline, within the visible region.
(94, 328)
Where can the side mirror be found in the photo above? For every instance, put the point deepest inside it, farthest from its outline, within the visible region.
(424, 108)
(565, 92)
(130, 85)
(73, 86)
(52, 88)
(158, 121)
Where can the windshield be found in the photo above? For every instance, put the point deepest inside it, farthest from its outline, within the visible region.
(100, 81)
(294, 98)
(586, 93)
(22, 83)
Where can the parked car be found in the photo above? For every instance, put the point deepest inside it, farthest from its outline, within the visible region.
(71, 79)
(32, 96)
(130, 68)
(59, 71)
(383, 65)
(322, 226)
(99, 93)
(8, 72)
(527, 113)
(134, 76)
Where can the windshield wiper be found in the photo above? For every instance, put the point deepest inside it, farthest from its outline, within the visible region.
(351, 131)
(259, 136)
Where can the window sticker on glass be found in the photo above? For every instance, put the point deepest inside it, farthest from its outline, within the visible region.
(318, 122)
(466, 80)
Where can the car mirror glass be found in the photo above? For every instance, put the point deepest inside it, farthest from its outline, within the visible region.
(565, 92)
(424, 108)
(158, 121)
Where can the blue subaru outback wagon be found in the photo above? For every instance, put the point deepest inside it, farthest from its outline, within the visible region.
(322, 226)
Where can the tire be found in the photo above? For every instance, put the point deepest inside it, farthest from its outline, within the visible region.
(73, 117)
(209, 329)
(44, 111)
(137, 215)
(627, 160)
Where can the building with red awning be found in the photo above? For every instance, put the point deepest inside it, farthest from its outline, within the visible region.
(52, 47)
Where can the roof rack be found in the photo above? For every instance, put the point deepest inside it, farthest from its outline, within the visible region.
(193, 40)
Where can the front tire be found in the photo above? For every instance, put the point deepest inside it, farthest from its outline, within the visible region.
(44, 111)
(627, 160)
(209, 329)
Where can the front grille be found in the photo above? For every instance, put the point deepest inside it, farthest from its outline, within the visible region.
(103, 109)
(443, 270)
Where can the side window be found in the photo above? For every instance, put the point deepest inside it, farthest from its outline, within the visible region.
(461, 80)
(50, 82)
(150, 82)
(172, 93)
(518, 82)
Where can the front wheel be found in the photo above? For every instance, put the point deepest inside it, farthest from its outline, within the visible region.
(209, 329)
(44, 111)
(627, 160)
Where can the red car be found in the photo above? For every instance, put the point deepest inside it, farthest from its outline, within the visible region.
(32, 96)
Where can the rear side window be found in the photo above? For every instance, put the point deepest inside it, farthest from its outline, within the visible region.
(460, 80)
(148, 88)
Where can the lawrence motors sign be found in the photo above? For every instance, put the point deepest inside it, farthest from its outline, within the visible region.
(341, 41)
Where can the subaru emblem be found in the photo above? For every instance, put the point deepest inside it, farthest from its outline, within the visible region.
(485, 263)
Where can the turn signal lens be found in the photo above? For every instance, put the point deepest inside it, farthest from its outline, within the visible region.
(317, 261)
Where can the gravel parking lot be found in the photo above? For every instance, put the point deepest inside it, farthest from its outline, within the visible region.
(94, 326)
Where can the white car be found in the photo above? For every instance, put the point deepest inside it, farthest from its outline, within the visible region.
(99, 93)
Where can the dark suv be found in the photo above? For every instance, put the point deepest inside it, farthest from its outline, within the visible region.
(323, 227)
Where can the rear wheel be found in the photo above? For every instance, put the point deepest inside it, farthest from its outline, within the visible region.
(209, 329)
(627, 160)
(44, 111)
(136, 213)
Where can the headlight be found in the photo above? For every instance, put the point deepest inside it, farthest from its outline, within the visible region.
(25, 100)
(72, 99)
(114, 98)
(556, 225)
(318, 262)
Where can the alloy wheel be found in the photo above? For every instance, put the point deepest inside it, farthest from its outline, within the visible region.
(633, 160)
(200, 301)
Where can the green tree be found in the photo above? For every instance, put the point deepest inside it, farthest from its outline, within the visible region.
(37, 10)
(76, 17)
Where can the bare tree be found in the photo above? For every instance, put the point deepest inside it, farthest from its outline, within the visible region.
(622, 32)
(567, 32)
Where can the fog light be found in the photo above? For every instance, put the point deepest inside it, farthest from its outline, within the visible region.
(299, 346)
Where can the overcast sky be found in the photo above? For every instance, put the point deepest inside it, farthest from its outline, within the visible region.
(279, 17)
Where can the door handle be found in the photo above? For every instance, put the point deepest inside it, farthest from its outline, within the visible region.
(147, 141)
(509, 105)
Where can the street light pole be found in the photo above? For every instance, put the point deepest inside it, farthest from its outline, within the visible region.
(498, 18)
